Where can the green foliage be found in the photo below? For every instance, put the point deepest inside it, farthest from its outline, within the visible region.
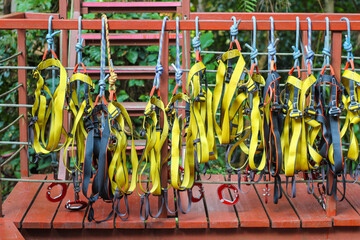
(248, 5)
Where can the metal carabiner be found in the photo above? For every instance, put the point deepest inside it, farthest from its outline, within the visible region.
(309, 52)
(327, 48)
(254, 51)
(228, 201)
(76, 205)
(348, 46)
(296, 53)
(60, 196)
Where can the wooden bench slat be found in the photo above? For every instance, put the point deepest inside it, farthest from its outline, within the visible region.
(345, 213)
(20, 198)
(134, 220)
(42, 210)
(219, 214)
(8, 230)
(250, 210)
(311, 214)
(102, 210)
(67, 219)
(162, 223)
(196, 217)
(281, 215)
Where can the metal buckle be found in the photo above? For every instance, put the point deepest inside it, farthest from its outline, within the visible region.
(253, 89)
(334, 110)
(60, 196)
(227, 201)
(276, 107)
(75, 205)
(354, 106)
(199, 98)
(295, 113)
(117, 110)
(310, 111)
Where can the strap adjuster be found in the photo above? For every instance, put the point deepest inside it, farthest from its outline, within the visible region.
(276, 107)
(253, 88)
(200, 98)
(310, 111)
(334, 110)
(115, 113)
(296, 114)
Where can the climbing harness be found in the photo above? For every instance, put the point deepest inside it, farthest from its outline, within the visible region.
(273, 119)
(155, 140)
(180, 167)
(351, 81)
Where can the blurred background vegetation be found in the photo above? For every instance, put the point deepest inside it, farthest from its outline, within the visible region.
(138, 90)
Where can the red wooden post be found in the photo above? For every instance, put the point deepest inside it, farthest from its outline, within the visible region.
(64, 45)
(305, 43)
(23, 124)
(186, 47)
(164, 94)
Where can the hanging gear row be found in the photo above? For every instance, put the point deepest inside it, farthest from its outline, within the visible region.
(280, 130)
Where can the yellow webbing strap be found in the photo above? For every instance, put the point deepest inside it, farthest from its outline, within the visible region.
(54, 111)
(78, 110)
(197, 131)
(176, 146)
(256, 129)
(223, 131)
(352, 114)
(118, 171)
(154, 141)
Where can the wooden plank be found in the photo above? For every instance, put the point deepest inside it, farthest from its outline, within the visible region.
(281, 215)
(196, 217)
(347, 210)
(219, 214)
(67, 219)
(17, 203)
(311, 214)
(162, 223)
(8, 230)
(249, 208)
(134, 221)
(101, 211)
(42, 210)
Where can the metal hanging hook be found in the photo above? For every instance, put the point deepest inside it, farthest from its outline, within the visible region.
(347, 43)
(309, 52)
(79, 45)
(102, 84)
(196, 40)
(327, 49)
(271, 47)
(176, 66)
(159, 68)
(234, 28)
(253, 49)
(297, 53)
(50, 36)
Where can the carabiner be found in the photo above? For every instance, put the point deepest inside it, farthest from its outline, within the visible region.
(228, 201)
(76, 205)
(309, 52)
(60, 196)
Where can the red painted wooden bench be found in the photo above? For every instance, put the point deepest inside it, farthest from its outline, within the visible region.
(29, 210)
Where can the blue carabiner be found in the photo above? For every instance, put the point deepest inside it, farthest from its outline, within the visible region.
(234, 28)
(271, 47)
(254, 52)
(297, 53)
(159, 68)
(327, 48)
(309, 52)
(196, 40)
(347, 43)
(176, 66)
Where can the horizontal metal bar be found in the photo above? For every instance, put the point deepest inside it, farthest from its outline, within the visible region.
(13, 143)
(286, 23)
(144, 181)
(16, 105)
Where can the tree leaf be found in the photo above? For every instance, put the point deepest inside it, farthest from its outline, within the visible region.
(122, 96)
(132, 56)
(207, 57)
(136, 82)
(206, 39)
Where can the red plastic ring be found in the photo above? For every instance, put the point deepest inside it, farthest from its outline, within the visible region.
(59, 197)
(201, 195)
(227, 201)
